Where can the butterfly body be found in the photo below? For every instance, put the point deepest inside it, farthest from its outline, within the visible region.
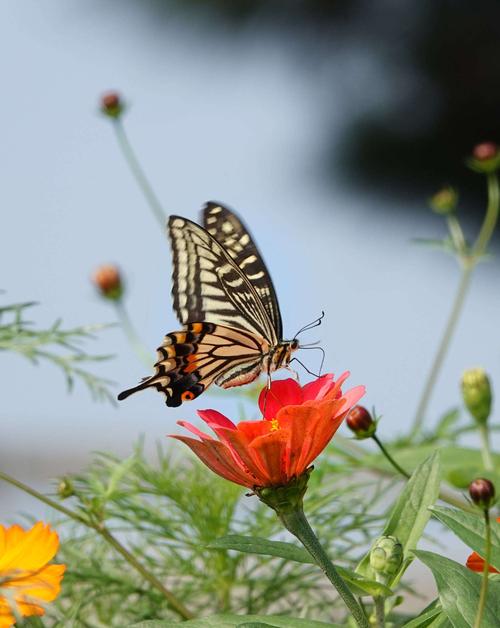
(224, 297)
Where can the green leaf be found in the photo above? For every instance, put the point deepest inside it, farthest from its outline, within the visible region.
(410, 513)
(447, 423)
(452, 458)
(237, 621)
(470, 528)
(459, 590)
(431, 617)
(256, 545)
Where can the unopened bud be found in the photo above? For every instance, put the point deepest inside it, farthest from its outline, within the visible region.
(445, 201)
(386, 556)
(108, 281)
(360, 421)
(112, 104)
(484, 151)
(65, 488)
(485, 157)
(482, 492)
(476, 393)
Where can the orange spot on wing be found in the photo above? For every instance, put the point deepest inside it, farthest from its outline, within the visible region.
(196, 327)
(187, 395)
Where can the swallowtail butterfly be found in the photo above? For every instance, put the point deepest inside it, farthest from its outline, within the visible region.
(224, 297)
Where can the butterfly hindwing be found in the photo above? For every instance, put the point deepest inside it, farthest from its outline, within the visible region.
(223, 225)
(209, 286)
(204, 353)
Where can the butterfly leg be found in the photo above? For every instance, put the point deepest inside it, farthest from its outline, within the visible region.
(268, 388)
(294, 373)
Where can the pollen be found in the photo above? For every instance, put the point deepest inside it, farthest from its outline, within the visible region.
(274, 425)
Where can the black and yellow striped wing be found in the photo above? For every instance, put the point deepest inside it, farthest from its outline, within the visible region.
(224, 297)
(229, 231)
(208, 285)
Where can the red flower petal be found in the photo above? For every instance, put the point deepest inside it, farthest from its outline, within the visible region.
(283, 392)
(271, 451)
(476, 563)
(318, 388)
(218, 458)
(215, 419)
(239, 444)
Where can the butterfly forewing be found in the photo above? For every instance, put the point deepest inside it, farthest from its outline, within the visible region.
(224, 297)
(209, 286)
(235, 238)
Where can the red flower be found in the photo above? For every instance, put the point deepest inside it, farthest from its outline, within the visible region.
(476, 563)
(297, 424)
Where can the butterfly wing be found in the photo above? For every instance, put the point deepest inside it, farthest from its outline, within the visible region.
(204, 353)
(223, 225)
(209, 286)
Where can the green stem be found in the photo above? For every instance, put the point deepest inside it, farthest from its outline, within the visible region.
(485, 447)
(390, 458)
(469, 262)
(132, 335)
(379, 611)
(139, 174)
(486, 571)
(443, 494)
(491, 218)
(451, 324)
(457, 235)
(101, 529)
(296, 522)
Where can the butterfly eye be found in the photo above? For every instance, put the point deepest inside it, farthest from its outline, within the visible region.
(295, 344)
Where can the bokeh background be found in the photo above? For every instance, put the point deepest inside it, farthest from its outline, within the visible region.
(326, 124)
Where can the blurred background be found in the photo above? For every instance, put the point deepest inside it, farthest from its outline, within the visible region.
(325, 124)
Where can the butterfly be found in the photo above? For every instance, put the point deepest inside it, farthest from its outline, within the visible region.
(225, 298)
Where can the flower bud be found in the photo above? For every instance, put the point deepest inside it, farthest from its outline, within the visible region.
(485, 151)
(482, 492)
(386, 556)
(65, 488)
(112, 104)
(445, 201)
(360, 421)
(108, 281)
(485, 157)
(476, 393)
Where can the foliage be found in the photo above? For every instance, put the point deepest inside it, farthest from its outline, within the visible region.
(17, 334)
(170, 515)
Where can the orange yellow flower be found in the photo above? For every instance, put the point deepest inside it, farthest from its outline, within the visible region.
(26, 579)
(298, 423)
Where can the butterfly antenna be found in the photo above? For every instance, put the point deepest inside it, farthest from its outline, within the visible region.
(316, 323)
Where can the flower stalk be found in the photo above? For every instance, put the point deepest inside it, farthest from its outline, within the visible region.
(286, 501)
(443, 494)
(468, 261)
(103, 531)
(486, 570)
(390, 459)
(379, 611)
(131, 334)
(138, 172)
(486, 454)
